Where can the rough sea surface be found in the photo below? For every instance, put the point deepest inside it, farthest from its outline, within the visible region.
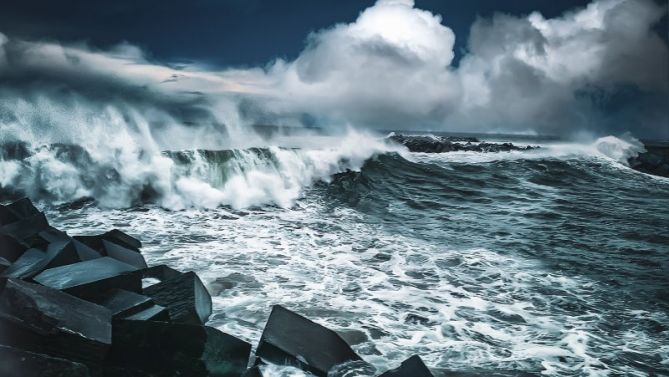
(552, 261)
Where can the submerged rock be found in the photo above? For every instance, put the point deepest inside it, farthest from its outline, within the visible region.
(178, 349)
(443, 144)
(42, 319)
(290, 339)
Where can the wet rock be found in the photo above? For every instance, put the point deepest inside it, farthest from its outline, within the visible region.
(160, 272)
(45, 320)
(51, 234)
(10, 248)
(123, 254)
(253, 372)
(233, 280)
(443, 144)
(184, 350)
(18, 362)
(26, 266)
(24, 229)
(86, 279)
(22, 209)
(122, 303)
(115, 236)
(184, 296)
(411, 367)
(122, 239)
(153, 313)
(291, 339)
(353, 337)
(4, 263)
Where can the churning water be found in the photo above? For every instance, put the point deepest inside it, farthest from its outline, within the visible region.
(552, 261)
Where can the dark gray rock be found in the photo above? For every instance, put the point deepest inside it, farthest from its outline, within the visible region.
(26, 266)
(59, 253)
(123, 254)
(160, 272)
(20, 363)
(115, 236)
(25, 229)
(122, 303)
(88, 278)
(444, 144)
(411, 367)
(45, 320)
(253, 372)
(184, 296)
(184, 350)
(153, 313)
(22, 209)
(291, 339)
(10, 248)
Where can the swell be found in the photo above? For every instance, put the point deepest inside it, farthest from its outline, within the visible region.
(274, 176)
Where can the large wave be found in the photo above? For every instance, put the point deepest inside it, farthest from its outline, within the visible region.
(126, 174)
(122, 167)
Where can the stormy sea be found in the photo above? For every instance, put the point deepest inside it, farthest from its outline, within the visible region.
(543, 256)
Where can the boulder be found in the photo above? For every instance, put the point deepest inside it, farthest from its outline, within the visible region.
(411, 367)
(184, 296)
(123, 254)
(26, 228)
(59, 253)
(188, 350)
(122, 303)
(18, 362)
(253, 372)
(152, 313)
(22, 209)
(116, 236)
(160, 272)
(290, 339)
(89, 278)
(10, 248)
(45, 320)
(26, 266)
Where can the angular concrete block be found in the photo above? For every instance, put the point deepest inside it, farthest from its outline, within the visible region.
(184, 296)
(123, 254)
(10, 248)
(45, 320)
(88, 278)
(411, 367)
(290, 339)
(122, 303)
(18, 362)
(26, 266)
(184, 350)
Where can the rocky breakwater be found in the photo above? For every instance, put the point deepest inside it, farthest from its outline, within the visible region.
(443, 144)
(90, 306)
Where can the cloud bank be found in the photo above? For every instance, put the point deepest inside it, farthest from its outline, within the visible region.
(601, 69)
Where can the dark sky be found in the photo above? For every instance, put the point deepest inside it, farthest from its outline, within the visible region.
(226, 32)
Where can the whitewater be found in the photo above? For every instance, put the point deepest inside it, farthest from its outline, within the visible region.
(549, 261)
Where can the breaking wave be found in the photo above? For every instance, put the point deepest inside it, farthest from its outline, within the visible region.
(125, 174)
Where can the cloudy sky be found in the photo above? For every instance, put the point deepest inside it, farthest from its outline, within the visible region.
(537, 66)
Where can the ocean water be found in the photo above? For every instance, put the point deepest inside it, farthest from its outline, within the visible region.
(551, 262)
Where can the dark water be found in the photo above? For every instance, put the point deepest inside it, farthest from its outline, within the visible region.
(550, 262)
